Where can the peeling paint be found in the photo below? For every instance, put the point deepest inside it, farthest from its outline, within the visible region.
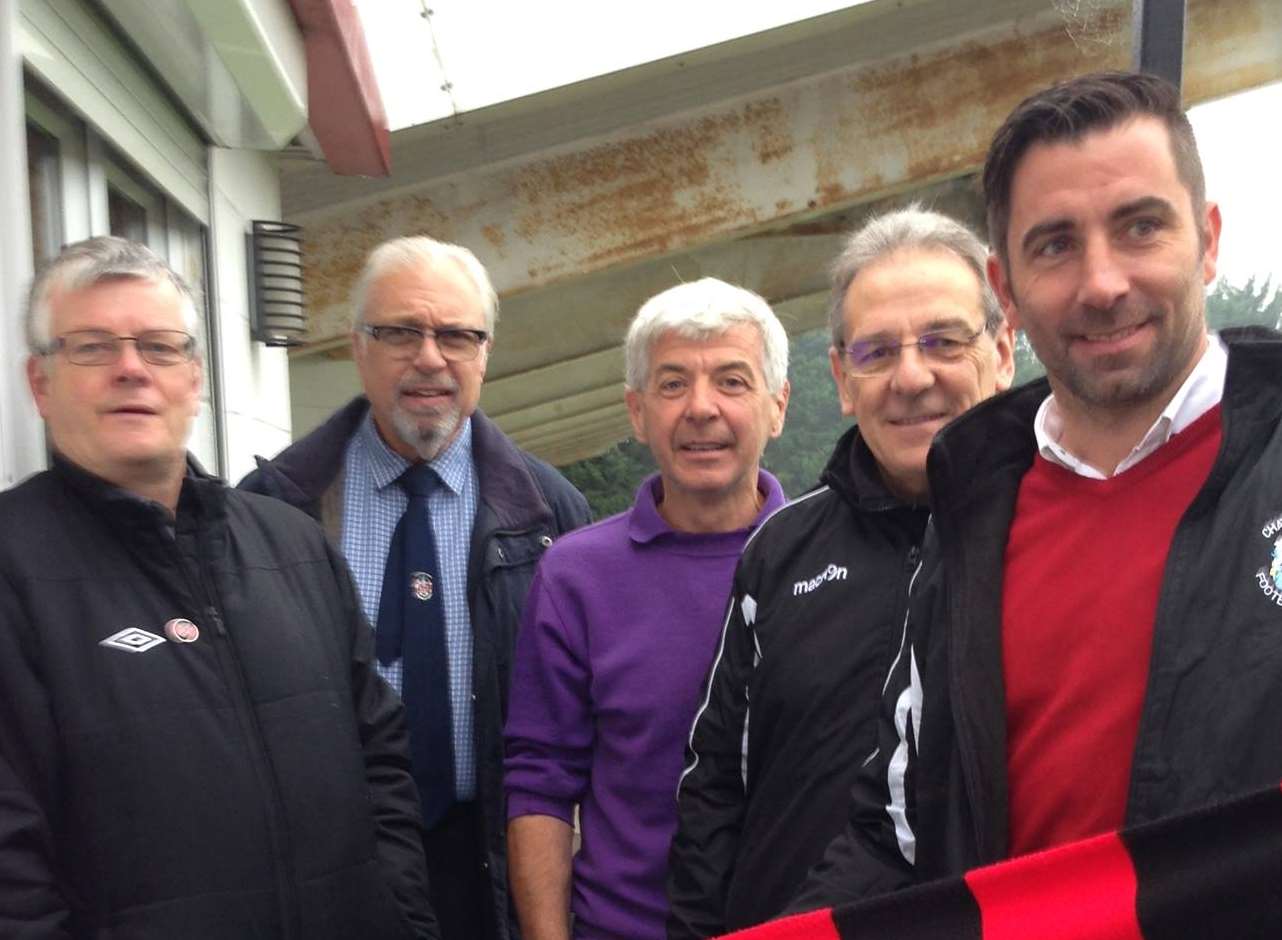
(809, 147)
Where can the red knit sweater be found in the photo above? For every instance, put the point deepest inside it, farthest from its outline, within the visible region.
(1083, 572)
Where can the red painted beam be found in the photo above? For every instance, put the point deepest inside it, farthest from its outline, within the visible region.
(344, 108)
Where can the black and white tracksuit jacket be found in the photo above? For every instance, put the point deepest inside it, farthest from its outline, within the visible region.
(934, 802)
(789, 710)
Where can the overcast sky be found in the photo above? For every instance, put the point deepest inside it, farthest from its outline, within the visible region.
(1240, 143)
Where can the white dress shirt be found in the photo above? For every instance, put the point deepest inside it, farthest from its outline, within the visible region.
(1201, 392)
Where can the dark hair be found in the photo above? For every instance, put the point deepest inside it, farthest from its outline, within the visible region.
(1066, 112)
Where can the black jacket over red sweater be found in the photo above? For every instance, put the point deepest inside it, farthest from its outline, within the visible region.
(252, 783)
(1211, 718)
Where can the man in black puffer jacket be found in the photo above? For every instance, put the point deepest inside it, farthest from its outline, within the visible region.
(194, 741)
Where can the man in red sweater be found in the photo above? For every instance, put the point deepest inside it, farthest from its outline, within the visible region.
(1095, 639)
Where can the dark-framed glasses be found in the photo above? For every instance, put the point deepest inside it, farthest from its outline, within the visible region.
(100, 348)
(455, 344)
(877, 356)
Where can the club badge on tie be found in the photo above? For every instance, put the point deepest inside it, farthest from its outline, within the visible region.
(421, 585)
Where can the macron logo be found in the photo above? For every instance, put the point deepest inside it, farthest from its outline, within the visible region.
(831, 573)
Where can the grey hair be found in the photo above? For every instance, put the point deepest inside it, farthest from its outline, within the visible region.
(413, 250)
(93, 261)
(910, 228)
(700, 310)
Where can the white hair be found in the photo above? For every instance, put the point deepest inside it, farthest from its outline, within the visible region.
(700, 310)
(415, 250)
(93, 261)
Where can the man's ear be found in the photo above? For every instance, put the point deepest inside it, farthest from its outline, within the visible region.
(1005, 343)
(999, 280)
(1210, 241)
(781, 408)
(38, 382)
(844, 392)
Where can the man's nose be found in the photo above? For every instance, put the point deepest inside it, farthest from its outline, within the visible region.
(130, 365)
(702, 403)
(1104, 281)
(428, 358)
(912, 373)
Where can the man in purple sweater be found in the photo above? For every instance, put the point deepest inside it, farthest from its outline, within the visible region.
(623, 619)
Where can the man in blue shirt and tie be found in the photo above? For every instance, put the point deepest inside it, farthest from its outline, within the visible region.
(442, 519)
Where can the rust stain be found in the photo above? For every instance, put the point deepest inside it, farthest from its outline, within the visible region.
(771, 132)
(630, 197)
(1219, 28)
(876, 128)
(933, 114)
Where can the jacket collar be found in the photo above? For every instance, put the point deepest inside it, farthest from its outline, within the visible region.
(202, 495)
(852, 471)
(997, 435)
(508, 487)
(306, 468)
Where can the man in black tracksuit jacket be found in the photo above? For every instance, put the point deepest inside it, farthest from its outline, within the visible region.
(817, 609)
(194, 742)
(842, 553)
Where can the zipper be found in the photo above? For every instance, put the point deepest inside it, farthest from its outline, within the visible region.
(282, 860)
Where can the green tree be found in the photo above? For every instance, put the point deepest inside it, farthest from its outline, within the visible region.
(814, 420)
(1248, 305)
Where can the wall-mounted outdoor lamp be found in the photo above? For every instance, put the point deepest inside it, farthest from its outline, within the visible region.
(277, 317)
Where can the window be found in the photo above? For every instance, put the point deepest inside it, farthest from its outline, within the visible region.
(81, 187)
(44, 189)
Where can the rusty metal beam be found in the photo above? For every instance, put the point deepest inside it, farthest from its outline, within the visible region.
(799, 150)
(757, 190)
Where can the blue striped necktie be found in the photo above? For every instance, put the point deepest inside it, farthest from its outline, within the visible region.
(411, 627)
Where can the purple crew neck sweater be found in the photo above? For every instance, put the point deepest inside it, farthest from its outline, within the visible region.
(618, 634)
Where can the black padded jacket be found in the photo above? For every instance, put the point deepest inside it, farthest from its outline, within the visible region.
(251, 782)
(1212, 710)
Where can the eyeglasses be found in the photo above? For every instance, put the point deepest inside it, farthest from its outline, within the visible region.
(455, 345)
(875, 357)
(100, 348)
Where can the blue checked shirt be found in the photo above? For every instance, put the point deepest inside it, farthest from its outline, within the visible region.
(372, 506)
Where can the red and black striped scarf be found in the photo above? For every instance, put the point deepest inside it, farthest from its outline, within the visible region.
(1214, 873)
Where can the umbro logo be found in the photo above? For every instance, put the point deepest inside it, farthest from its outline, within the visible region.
(132, 640)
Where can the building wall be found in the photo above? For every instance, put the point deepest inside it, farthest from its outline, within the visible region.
(21, 448)
(255, 378)
(121, 130)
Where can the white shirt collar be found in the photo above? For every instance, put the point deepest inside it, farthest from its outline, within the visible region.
(1201, 392)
